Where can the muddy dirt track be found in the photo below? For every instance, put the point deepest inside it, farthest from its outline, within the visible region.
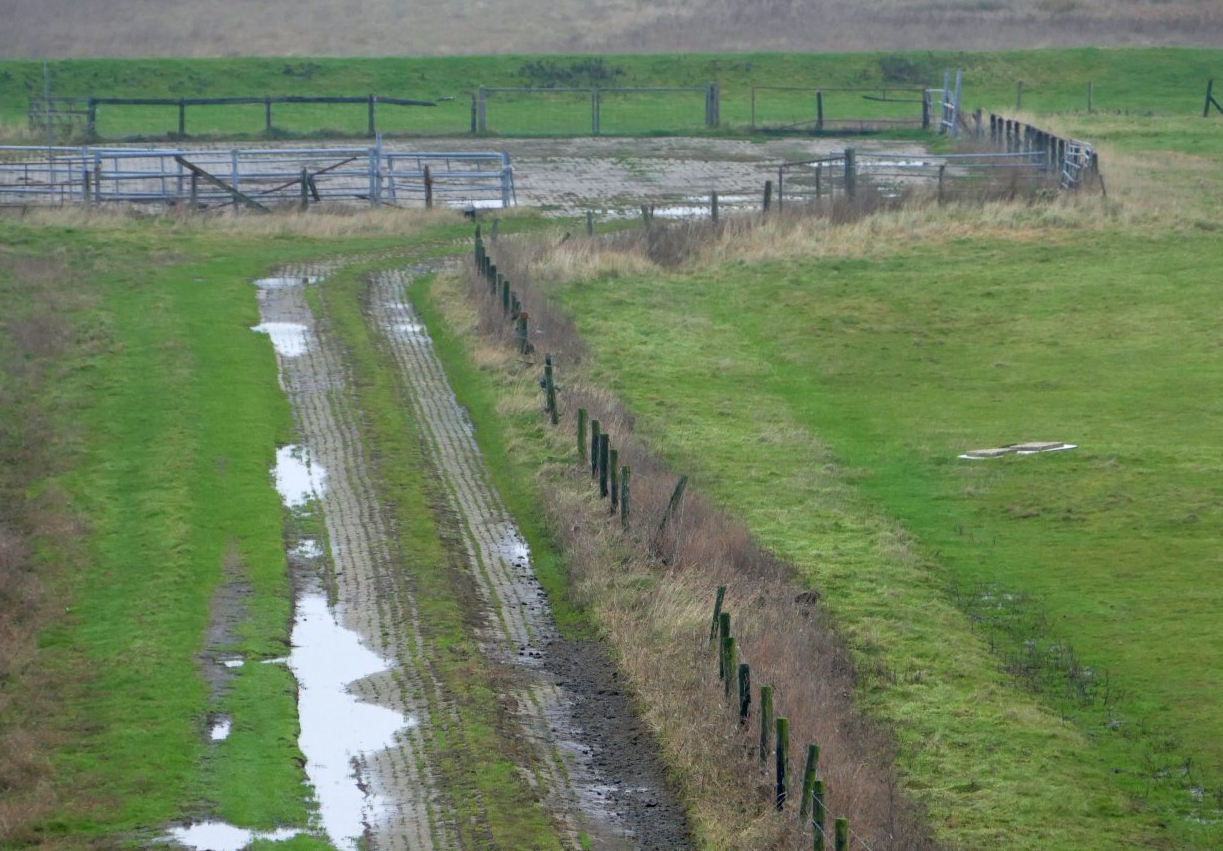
(592, 765)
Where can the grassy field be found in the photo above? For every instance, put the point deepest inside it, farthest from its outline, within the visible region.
(1040, 631)
(1043, 629)
(1139, 84)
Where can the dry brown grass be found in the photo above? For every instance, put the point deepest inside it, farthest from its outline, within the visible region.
(651, 595)
(61, 28)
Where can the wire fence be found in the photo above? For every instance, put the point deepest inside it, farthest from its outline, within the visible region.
(593, 110)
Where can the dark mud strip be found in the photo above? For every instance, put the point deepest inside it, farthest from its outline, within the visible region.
(595, 765)
(400, 808)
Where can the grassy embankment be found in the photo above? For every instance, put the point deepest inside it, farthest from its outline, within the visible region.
(888, 347)
(158, 412)
(1138, 82)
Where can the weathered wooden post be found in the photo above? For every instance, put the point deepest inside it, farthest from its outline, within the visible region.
(713, 206)
(86, 177)
(780, 196)
(819, 816)
(522, 333)
(942, 170)
(768, 194)
(728, 651)
(428, 188)
(506, 302)
(717, 611)
(745, 692)
(813, 758)
(851, 172)
(604, 451)
(581, 432)
(550, 390)
(590, 223)
(613, 476)
(1090, 92)
(594, 448)
(625, 472)
(723, 634)
(842, 835)
(267, 115)
(305, 199)
(766, 720)
(783, 760)
(372, 128)
(182, 117)
(673, 505)
(819, 112)
(195, 189)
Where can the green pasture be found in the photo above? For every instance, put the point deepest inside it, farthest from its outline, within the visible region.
(170, 413)
(827, 402)
(1136, 83)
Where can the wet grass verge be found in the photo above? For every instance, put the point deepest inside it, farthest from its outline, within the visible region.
(163, 416)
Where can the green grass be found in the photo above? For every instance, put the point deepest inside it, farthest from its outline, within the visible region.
(1134, 83)
(826, 402)
(178, 416)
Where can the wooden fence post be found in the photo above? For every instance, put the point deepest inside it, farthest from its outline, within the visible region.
(819, 816)
(550, 390)
(428, 188)
(613, 485)
(590, 223)
(267, 115)
(713, 206)
(717, 612)
(594, 448)
(783, 760)
(625, 472)
(766, 720)
(372, 128)
(182, 117)
(581, 432)
(305, 199)
(842, 835)
(819, 112)
(745, 692)
(851, 172)
(768, 194)
(723, 634)
(728, 651)
(942, 170)
(813, 758)
(522, 333)
(604, 449)
(676, 496)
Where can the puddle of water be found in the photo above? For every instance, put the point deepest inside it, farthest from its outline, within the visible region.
(337, 730)
(221, 727)
(233, 663)
(219, 836)
(281, 282)
(298, 478)
(288, 338)
(307, 548)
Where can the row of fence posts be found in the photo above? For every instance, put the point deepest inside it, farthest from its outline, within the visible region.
(777, 729)
(594, 447)
(605, 467)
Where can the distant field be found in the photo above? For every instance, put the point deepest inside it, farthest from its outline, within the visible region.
(1139, 82)
(62, 28)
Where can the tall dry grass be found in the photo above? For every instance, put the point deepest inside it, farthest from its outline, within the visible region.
(651, 592)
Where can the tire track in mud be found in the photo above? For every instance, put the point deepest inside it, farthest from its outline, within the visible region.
(371, 594)
(595, 767)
